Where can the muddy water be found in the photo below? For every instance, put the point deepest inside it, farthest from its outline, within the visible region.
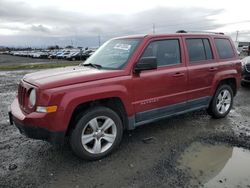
(217, 165)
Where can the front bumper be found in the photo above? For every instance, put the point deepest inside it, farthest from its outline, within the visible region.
(31, 127)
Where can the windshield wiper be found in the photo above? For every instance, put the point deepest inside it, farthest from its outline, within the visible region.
(97, 66)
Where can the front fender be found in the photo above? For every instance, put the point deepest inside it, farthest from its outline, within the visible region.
(74, 98)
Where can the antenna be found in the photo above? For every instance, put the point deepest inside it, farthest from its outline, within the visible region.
(153, 28)
(99, 39)
(237, 35)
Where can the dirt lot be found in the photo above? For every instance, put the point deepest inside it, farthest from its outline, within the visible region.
(168, 158)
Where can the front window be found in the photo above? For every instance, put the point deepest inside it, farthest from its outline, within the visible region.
(114, 54)
(167, 52)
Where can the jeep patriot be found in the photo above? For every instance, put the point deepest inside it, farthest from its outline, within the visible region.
(129, 81)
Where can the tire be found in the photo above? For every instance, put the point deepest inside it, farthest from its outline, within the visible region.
(222, 102)
(99, 141)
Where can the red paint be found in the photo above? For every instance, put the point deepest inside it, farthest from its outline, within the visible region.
(69, 87)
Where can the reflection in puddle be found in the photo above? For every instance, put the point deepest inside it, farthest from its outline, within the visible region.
(217, 165)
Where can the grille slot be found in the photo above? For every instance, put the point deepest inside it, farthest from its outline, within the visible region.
(248, 67)
(21, 95)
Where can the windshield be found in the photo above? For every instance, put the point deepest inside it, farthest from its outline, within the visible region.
(114, 54)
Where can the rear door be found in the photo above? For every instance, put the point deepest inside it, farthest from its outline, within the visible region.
(202, 68)
(160, 92)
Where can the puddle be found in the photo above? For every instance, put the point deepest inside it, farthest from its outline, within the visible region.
(217, 165)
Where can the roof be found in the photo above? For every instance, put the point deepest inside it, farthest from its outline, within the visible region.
(172, 35)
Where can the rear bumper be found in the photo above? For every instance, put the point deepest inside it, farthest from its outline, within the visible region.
(33, 125)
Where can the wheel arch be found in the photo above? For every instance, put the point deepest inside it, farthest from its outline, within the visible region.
(228, 81)
(114, 103)
(226, 77)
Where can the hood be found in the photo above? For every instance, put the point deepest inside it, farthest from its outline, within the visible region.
(67, 76)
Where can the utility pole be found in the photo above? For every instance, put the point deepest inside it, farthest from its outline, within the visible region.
(237, 35)
(153, 28)
(99, 39)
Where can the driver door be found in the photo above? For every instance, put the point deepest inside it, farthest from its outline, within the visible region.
(161, 92)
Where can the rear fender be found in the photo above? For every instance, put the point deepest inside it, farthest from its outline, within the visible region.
(223, 75)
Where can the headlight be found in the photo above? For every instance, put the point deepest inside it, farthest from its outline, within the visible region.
(32, 97)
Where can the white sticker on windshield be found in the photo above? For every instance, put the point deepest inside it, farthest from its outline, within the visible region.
(122, 46)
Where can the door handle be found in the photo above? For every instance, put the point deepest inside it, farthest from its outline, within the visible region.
(211, 69)
(178, 74)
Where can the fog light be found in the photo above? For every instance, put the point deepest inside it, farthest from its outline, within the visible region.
(46, 109)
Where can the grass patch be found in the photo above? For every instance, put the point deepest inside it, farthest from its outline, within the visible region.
(37, 66)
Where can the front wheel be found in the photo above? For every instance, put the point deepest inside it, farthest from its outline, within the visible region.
(97, 133)
(222, 102)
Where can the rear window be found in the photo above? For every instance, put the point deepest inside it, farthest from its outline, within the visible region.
(199, 50)
(224, 48)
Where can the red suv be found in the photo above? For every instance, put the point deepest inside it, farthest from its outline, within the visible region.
(127, 82)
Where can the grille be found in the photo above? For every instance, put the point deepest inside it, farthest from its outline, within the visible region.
(248, 67)
(21, 95)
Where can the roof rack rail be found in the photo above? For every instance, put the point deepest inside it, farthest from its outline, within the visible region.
(209, 32)
(181, 31)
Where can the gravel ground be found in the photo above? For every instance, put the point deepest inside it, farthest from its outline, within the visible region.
(137, 163)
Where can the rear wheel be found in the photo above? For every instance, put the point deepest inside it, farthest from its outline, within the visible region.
(222, 102)
(97, 133)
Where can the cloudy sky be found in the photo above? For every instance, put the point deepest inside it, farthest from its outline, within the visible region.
(78, 22)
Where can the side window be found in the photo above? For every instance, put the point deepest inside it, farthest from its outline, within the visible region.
(167, 52)
(208, 50)
(224, 48)
(199, 50)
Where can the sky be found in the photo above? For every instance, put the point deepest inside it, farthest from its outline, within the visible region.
(41, 23)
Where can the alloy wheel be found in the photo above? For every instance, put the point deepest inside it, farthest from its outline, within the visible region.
(224, 101)
(99, 134)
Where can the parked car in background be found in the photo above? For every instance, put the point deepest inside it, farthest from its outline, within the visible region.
(71, 54)
(54, 54)
(40, 55)
(74, 56)
(128, 82)
(58, 54)
(245, 71)
(80, 55)
(63, 54)
(86, 54)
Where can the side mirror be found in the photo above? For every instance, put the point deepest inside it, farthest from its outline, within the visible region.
(146, 63)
